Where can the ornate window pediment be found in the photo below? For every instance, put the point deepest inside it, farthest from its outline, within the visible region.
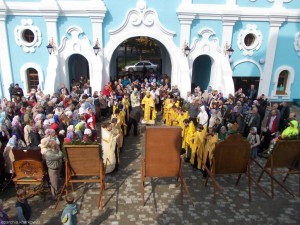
(249, 39)
(27, 35)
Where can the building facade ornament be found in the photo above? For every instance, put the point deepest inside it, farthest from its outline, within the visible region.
(20, 31)
(252, 30)
(297, 42)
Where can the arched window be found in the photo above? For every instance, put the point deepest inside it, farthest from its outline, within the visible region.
(32, 78)
(282, 82)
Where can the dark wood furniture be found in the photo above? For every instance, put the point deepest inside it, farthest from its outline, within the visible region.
(30, 172)
(231, 157)
(284, 159)
(84, 165)
(162, 155)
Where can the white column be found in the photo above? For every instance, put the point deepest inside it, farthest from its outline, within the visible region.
(185, 29)
(97, 30)
(228, 24)
(265, 79)
(5, 57)
(51, 79)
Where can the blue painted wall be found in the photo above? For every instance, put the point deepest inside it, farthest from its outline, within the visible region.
(209, 1)
(295, 4)
(18, 56)
(63, 23)
(257, 55)
(257, 3)
(246, 69)
(116, 13)
(197, 25)
(287, 55)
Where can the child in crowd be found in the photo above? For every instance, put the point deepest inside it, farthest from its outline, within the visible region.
(68, 216)
(22, 207)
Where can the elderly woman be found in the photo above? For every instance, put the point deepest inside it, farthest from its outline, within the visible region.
(254, 140)
(54, 160)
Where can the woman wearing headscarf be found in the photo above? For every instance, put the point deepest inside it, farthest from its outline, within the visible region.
(254, 140)
(17, 127)
(35, 138)
(54, 160)
(8, 155)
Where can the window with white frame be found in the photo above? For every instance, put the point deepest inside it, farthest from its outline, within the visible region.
(32, 78)
(283, 80)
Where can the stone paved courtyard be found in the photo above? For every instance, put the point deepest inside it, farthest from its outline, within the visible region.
(122, 199)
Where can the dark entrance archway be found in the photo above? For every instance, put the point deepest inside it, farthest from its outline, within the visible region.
(201, 72)
(245, 83)
(136, 51)
(78, 66)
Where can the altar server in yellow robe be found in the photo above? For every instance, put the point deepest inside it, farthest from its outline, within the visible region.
(197, 143)
(209, 147)
(148, 105)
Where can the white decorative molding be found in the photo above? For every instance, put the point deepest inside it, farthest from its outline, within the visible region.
(221, 73)
(250, 29)
(27, 24)
(24, 79)
(72, 44)
(288, 88)
(235, 64)
(297, 42)
(141, 16)
(143, 21)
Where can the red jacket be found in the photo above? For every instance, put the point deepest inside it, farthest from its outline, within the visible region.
(274, 125)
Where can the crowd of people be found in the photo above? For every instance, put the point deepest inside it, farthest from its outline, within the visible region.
(205, 116)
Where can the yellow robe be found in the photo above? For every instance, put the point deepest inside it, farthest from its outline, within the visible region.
(108, 142)
(149, 107)
(119, 124)
(197, 145)
(188, 132)
(166, 103)
(200, 148)
(126, 104)
(169, 114)
(209, 149)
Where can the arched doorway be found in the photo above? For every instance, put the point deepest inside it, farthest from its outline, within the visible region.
(137, 54)
(78, 66)
(201, 72)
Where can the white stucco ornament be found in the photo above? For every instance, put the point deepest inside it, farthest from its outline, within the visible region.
(297, 42)
(251, 29)
(141, 5)
(141, 15)
(27, 26)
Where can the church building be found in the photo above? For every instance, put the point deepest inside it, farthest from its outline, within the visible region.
(225, 44)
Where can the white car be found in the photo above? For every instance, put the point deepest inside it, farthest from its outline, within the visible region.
(139, 66)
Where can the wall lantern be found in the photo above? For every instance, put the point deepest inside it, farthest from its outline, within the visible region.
(96, 48)
(50, 47)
